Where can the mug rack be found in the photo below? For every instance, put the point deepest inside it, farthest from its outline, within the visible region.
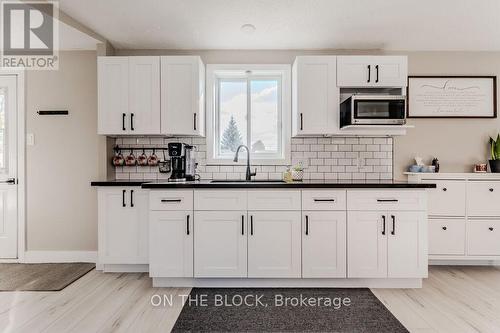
(118, 148)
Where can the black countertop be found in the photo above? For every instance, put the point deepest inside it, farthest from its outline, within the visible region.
(152, 184)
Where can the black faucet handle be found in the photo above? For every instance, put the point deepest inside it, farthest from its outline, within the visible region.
(254, 173)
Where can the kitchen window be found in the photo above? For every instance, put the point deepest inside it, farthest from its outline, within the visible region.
(249, 105)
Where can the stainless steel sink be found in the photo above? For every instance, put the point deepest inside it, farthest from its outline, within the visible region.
(244, 181)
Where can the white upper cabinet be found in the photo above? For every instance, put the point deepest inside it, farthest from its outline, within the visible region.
(128, 95)
(372, 71)
(182, 95)
(315, 94)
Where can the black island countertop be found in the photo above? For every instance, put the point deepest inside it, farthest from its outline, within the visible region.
(148, 184)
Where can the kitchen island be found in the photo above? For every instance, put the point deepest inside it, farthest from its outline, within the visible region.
(266, 233)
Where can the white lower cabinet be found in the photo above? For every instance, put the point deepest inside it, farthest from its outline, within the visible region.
(483, 237)
(123, 225)
(171, 243)
(324, 244)
(387, 244)
(274, 244)
(220, 244)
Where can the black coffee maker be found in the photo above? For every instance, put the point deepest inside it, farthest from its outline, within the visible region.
(177, 153)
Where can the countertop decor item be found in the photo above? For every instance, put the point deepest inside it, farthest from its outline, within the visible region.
(452, 97)
(298, 172)
(435, 163)
(481, 168)
(495, 154)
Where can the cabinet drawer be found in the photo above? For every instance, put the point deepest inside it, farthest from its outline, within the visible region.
(447, 236)
(220, 200)
(274, 200)
(171, 200)
(447, 199)
(483, 198)
(386, 200)
(483, 238)
(323, 200)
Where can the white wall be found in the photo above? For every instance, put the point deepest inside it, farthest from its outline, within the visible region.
(61, 205)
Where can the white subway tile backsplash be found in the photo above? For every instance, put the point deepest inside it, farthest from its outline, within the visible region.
(323, 158)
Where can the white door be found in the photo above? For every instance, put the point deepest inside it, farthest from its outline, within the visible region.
(8, 167)
(316, 97)
(324, 244)
(144, 95)
(182, 95)
(171, 244)
(220, 244)
(407, 245)
(367, 244)
(274, 244)
(123, 225)
(112, 90)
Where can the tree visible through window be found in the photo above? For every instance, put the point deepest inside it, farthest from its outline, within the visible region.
(231, 138)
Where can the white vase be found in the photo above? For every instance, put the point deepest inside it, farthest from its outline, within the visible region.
(297, 175)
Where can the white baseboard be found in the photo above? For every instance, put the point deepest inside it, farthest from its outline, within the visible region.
(60, 256)
(458, 262)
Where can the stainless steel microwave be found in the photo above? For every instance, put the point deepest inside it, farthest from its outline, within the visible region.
(373, 110)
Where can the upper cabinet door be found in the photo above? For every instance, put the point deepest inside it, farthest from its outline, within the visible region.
(315, 96)
(144, 95)
(182, 95)
(372, 71)
(113, 102)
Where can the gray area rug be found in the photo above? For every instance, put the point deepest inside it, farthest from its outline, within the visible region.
(41, 277)
(314, 314)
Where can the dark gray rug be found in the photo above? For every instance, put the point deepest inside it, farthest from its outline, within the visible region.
(41, 277)
(312, 313)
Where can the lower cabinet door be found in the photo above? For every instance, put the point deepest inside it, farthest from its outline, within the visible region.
(407, 245)
(220, 244)
(123, 225)
(367, 244)
(171, 244)
(274, 244)
(323, 244)
(483, 237)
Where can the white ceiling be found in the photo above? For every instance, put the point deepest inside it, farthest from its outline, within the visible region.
(293, 24)
(73, 39)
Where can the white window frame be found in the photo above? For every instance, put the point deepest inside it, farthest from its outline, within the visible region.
(279, 71)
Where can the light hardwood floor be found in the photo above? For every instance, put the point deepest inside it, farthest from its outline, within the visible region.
(453, 299)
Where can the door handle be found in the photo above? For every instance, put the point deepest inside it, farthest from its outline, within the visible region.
(123, 122)
(376, 70)
(307, 225)
(383, 225)
(131, 198)
(132, 122)
(194, 121)
(171, 200)
(123, 198)
(324, 200)
(9, 181)
(387, 200)
(369, 73)
(242, 225)
(393, 232)
(187, 224)
(251, 225)
(301, 121)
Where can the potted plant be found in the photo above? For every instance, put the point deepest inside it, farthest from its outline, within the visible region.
(495, 154)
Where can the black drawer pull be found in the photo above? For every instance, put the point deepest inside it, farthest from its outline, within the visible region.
(131, 198)
(393, 232)
(444, 228)
(301, 122)
(383, 224)
(132, 122)
(376, 79)
(242, 224)
(194, 121)
(251, 225)
(324, 200)
(445, 189)
(387, 200)
(171, 200)
(187, 225)
(491, 190)
(491, 228)
(123, 121)
(123, 198)
(307, 225)
(369, 73)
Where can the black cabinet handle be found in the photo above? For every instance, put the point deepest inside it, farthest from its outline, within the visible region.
(491, 228)
(376, 78)
(194, 121)
(383, 224)
(387, 200)
(491, 190)
(393, 232)
(307, 225)
(131, 198)
(123, 198)
(187, 224)
(171, 200)
(132, 122)
(243, 224)
(301, 121)
(369, 73)
(444, 228)
(324, 200)
(251, 225)
(445, 189)
(123, 121)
